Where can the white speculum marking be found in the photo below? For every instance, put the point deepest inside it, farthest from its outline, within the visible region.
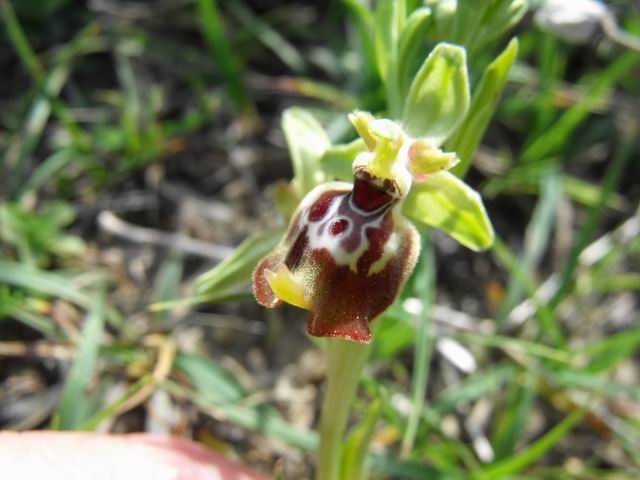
(320, 236)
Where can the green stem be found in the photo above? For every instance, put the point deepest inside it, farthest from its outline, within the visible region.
(345, 361)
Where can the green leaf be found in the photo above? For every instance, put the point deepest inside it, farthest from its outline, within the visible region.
(486, 96)
(443, 15)
(362, 21)
(307, 142)
(75, 403)
(337, 160)
(390, 17)
(388, 21)
(501, 17)
(478, 23)
(446, 202)
(411, 43)
(439, 96)
(354, 454)
(468, 17)
(237, 269)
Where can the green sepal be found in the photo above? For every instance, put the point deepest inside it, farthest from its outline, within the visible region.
(439, 96)
(337, 160)
(446, 202)
(467, 137)
(237, 269)
(285, 198)
(307, 142)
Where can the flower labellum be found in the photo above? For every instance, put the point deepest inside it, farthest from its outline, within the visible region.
(348, 249)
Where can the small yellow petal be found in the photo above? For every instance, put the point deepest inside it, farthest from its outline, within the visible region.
(361, 122)
(426, 159)
(286, 286)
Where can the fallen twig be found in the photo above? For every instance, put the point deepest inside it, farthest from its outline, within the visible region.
(174, 241)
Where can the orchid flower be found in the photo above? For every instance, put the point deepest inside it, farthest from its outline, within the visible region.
(350, 247)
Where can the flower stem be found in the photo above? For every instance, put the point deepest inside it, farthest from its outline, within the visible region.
(345, 361)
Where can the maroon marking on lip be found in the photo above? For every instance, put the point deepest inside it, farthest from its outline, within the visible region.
(319, 209)
(345, 301)
(297, 250)
(368, 197)
(338, 227)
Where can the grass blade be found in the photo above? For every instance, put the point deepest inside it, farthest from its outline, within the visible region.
(20, 41)
(513, 417)
(474, 386)
(424, 286)
(226, 59)
(48, 283)
(606, 353)
(113, 409)
(536, 239)
(552, 140)
(522, 459)
(547, 321)
(74, 403)
(269, 36)
(17, 157)
(41, 281)
(213, 382)
(588, 229)
(261, 418)
(47, 170)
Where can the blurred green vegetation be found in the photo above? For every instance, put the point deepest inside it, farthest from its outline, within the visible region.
(529, 354)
